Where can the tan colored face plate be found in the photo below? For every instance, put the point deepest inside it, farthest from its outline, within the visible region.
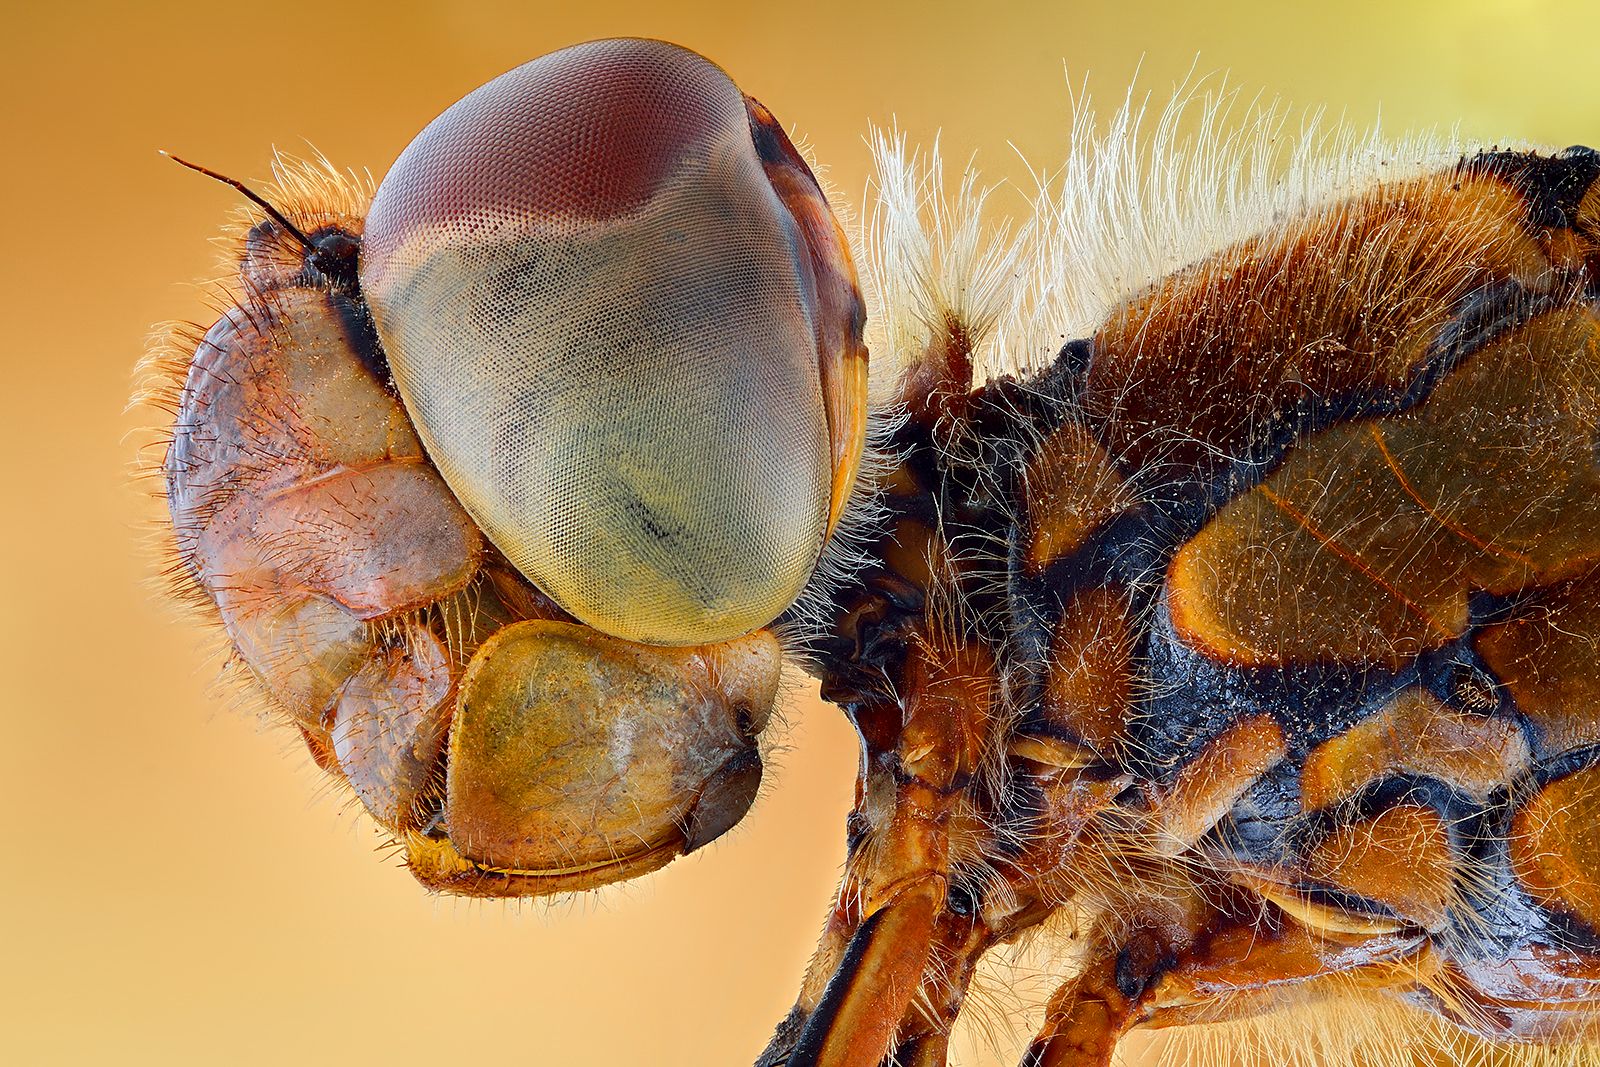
(571, 750)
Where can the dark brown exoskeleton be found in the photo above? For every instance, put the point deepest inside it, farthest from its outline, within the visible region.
(1283, 681)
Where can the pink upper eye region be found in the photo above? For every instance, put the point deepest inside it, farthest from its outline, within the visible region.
(603, 316)
(587, 132)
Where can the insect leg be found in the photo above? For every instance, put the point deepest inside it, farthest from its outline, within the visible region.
(966, 930)
(919, 763)
(1083, 1023)
(1222, 963)
(856, 1016)
(1019, 892)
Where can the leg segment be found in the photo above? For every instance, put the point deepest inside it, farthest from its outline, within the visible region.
(1222, 963)
(919, 762)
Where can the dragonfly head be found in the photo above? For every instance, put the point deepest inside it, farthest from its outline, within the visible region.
(627, 328)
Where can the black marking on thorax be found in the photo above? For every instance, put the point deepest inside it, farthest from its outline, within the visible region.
(1551, 186)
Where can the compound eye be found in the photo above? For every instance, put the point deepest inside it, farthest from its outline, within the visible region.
(628, 332)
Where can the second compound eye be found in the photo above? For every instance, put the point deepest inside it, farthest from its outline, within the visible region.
(619, 331)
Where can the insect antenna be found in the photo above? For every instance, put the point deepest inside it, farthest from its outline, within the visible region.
(251, 195)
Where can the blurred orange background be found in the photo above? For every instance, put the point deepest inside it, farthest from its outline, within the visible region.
(181, 887)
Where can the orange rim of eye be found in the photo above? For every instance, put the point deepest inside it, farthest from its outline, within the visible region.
(842, 354)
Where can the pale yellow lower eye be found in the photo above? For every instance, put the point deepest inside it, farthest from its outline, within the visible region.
(647, 446)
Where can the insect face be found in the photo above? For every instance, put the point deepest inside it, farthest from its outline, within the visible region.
(519, 608)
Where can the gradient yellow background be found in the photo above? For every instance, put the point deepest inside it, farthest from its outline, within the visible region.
(176, 885)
